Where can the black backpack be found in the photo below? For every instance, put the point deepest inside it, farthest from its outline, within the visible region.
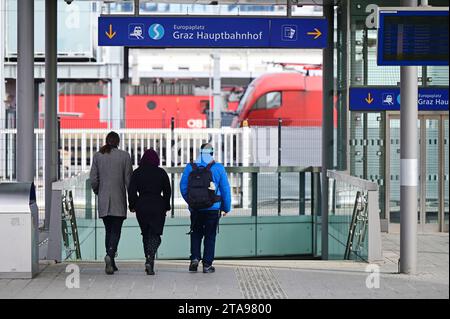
(200, 195)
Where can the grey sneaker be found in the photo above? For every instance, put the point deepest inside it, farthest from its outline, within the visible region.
(208, 269)
(194, 265)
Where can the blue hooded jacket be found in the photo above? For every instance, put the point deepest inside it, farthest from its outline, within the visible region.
(220, 179)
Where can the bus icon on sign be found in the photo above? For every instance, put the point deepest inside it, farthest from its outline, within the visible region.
(289, 33)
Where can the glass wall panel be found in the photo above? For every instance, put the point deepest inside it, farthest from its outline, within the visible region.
(432, 171)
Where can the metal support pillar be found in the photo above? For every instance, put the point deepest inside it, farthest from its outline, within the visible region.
(343, 57)
(136, 7)
(289, 15)
(25, 92)
(115, 60)
(408, 164)
(51, 106)
(327, 122)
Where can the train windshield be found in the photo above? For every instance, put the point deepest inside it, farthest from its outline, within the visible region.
(245, 97)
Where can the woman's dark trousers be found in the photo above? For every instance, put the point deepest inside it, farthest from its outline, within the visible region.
(113, 228)
(150, 241)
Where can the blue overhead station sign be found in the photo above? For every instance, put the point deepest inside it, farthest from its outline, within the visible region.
(218, 32)
(413, 37)
(388, 99)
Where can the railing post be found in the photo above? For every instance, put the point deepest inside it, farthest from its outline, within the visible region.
(315, 206)
(54, 249)
(301, 193)
(170, 143)
(172, 203)
(246, 138)
(95, 225)
(374, 249)
(254, 194)
(313, 199)
(316, 193)
(88, 199)
(172, 176)
(83, 152)
(60, 150)
(279, 164)
(333, 198)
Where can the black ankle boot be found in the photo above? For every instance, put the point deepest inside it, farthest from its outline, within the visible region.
(113, 262)
(149, 266)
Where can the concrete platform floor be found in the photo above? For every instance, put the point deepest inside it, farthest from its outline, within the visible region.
(248, 279)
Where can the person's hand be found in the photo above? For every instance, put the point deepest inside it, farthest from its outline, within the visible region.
(224, 214)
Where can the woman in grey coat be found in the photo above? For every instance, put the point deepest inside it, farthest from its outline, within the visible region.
(110, 178)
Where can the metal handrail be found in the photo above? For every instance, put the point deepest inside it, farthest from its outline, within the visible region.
(369, 215)
(352, 180)
(256, 169)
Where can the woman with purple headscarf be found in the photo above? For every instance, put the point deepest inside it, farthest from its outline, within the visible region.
(149, 197)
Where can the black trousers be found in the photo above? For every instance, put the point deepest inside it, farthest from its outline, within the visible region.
(150, 241)
(113, 228)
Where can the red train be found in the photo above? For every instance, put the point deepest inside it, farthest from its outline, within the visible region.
(294, 97)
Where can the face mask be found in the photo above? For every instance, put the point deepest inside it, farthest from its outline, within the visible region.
(208, 151)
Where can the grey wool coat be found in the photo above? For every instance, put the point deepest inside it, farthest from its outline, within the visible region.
(110, 178)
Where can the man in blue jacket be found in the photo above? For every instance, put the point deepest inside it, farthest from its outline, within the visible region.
(204, 221)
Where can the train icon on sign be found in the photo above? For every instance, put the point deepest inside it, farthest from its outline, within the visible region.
(135, 31)
(289, 32)
(388, 99)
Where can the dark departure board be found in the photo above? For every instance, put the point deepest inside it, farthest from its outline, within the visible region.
(413, 37)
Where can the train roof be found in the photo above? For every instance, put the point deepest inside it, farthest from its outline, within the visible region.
(288, 81)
